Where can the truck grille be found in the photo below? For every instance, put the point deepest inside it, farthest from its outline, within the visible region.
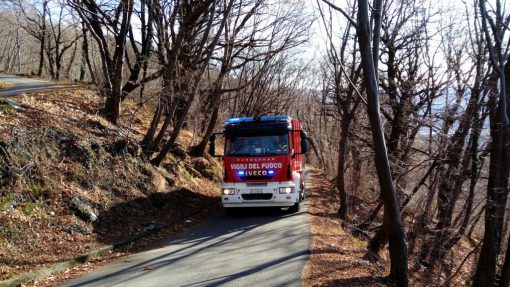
(257, 196)
(257, 177)
(256, 184)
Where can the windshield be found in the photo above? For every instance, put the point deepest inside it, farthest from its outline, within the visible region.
(261, 145)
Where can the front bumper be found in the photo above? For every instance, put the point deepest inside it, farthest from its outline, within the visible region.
(260, 195)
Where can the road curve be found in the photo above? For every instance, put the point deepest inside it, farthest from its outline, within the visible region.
(22, 85)
(259, 247)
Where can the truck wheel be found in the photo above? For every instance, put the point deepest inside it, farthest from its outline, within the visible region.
(295, 208)
(303, 197)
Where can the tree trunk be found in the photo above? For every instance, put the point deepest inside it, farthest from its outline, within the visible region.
(162, 132)
(199, 150)
(71, 63)
(340, 179)
(504, 281)
(450, 183)
(397, 245)
(111, 108)
(497, 186)
(42, 39)
(175, 133)
(356, 174)
(114, 97)
(195, 83)
(41, 55)
(475, 222)
(147, 139)
(86, 57)
(497, 191)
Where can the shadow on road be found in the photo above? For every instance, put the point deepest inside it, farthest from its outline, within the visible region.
(220, 233)
(131, 218)
(260, 212)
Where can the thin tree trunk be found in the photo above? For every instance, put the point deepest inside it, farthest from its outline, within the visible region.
(475, 222)
(42, 40)
(497, 186)
(86, 56)
(199, 150)
(372, 216)
(342, 157)
(393, 219)
(41, 55)
(356, 174)
(497, 191)
(147, 140)
(71, 62)
(18, 48)
(196, 82)
(162, 132)
(505, 270)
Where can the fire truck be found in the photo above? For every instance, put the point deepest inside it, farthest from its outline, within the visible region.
(264, 162)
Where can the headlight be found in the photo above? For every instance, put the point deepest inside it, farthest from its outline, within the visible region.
(228, 191)
(286, 190)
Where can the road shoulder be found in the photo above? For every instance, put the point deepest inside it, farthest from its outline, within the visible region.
(336, 257)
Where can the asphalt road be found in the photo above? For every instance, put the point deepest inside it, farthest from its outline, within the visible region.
(22, 85)
(259, 247)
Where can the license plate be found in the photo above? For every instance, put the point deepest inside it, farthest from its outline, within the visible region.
(256, 190)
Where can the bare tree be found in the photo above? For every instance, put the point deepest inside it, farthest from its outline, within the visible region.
(392, 222)
(101, 21)
(33, 19)
(251, 50)
(392, 218)
(60, 37)
(494, 29)
(194, 63)
(344, 91)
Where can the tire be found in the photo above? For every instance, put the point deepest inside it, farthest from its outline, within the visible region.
(303, 192)
(295, 208)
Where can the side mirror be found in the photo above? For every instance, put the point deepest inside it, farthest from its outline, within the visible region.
(212, 145)
(304, 141)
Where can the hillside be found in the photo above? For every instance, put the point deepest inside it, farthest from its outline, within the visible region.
(71, 182)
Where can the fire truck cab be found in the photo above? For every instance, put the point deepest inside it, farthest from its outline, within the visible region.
(263, 162)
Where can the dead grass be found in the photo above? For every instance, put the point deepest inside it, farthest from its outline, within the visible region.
(5, 85)
(58, 148)
(337, 257)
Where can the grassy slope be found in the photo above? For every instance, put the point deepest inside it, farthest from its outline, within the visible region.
(60, 163)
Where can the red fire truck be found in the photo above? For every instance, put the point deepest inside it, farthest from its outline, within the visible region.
(264, 162)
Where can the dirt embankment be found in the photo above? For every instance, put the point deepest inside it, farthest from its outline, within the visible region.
(339, 255)
(71, 182)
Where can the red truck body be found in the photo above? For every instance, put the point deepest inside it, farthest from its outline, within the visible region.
(264, 162)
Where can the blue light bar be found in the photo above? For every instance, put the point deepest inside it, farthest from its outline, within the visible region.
(240, 173)
(262, 119)
(270, 172)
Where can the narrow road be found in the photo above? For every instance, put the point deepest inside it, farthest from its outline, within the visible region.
(22, 85)
(259, 247)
